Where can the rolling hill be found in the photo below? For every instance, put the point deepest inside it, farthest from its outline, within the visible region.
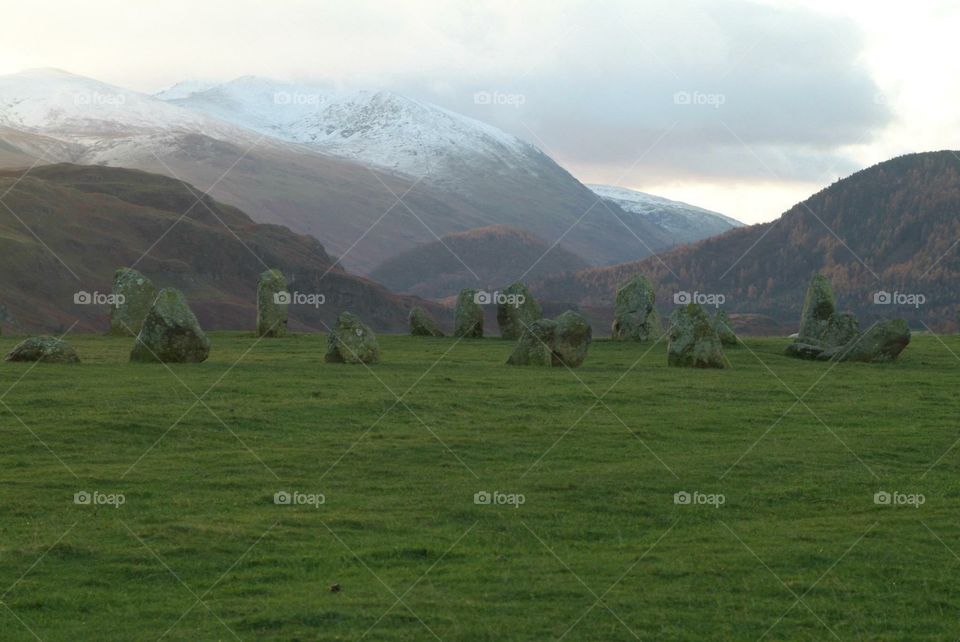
(66, 228)
(892, 228)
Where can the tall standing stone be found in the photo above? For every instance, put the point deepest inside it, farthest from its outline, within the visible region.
(273, 302)
(821, 326)
(516, 310)
(633, 312)
(351, 341)
(468, 317)
(693, 340)
(134, 294)
(171, 332)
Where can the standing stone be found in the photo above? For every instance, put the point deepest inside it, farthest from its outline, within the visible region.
(423, 325)
(273, 301)
(560, 342)
(882, 342)
(516, 310)
(351, 341)
(138, 294)
(535, 347)
(633, 310)
(821, 327)
(468, 317)
(572, 340)
(693, 340)
(721, 323)
(171, 332)
(45, 349)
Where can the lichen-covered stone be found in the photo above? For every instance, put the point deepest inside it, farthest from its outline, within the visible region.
(351, 341)
(517, 310)
(572, 339)
(632, 312)
(468, 316)
(882, 342)
(171, 332)
(559, 342)
(535, 347)
(273, 301)
(721, 323)
(45, 349)
(693, 340)
(819, 305)
(841, 329)
(137, 294)
(423, 325)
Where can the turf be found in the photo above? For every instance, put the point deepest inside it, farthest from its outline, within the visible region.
(598, 550)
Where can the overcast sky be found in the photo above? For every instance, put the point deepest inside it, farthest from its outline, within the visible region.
(742, 107)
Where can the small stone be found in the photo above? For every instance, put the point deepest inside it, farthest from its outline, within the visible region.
(45, 349)
(881, 343)
(535, 347)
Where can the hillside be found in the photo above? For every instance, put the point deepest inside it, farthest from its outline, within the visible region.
(892, 227)
(84, 222)
(498, 255)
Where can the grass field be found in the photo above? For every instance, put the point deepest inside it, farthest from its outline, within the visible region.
(598, 549)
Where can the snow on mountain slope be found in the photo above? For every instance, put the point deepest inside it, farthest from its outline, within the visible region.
(375, 127)
(686, 223)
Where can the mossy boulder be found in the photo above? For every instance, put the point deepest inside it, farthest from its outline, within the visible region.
(563, 341)
(45, 349)
(721, 323)
(516, 310)
(171, 332)
(423, 325)
(882, 342)
(273, 302)
(468, 316)
(351, 341)
(693, 340)
(634, 315)
(535, 347)
(134, 294)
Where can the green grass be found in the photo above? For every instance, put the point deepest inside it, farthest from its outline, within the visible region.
(599, 518)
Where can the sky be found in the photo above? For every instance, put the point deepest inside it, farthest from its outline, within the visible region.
(742, 107)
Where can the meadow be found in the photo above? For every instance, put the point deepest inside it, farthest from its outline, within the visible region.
(388, 534)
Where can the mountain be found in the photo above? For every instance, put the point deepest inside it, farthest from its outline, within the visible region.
(68, 227)
(892, 228)
(683, 223)
(484, 258)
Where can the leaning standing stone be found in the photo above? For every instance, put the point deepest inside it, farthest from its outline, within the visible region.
(272, 304)
(351, 341)
(45, 349)
(693, 340)
(468, 317)
(423, 325)
(516, 310)
(632, 311)
(134, 294)
(171, 332)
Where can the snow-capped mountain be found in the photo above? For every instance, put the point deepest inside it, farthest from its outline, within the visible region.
(684, 222)
(378, 128)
